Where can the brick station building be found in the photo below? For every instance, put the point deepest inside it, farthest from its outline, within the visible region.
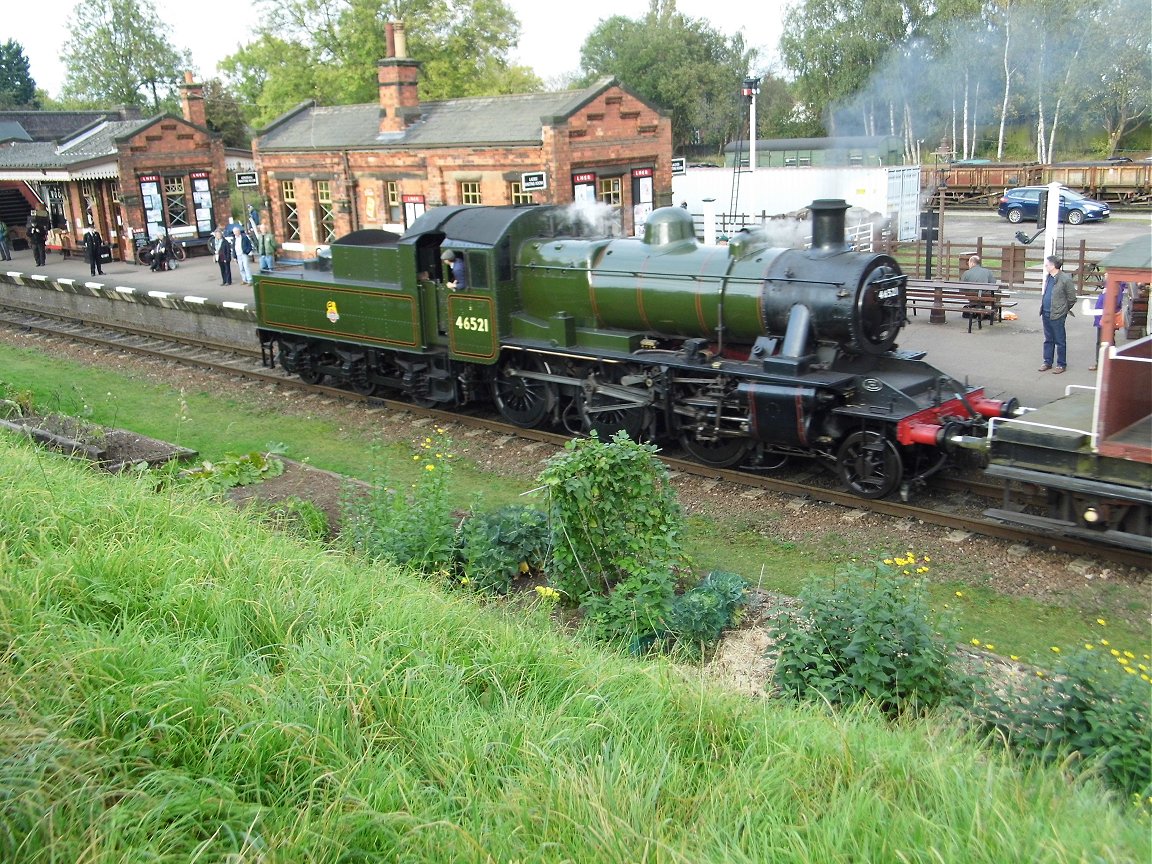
(327, 171)
(128, 177)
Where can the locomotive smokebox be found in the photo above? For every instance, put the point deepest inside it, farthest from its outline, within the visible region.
(828, 224)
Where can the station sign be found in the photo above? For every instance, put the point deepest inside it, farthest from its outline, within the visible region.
(679, 165)
(533, 181)
(246, 178)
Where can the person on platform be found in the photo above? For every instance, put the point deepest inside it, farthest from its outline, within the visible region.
(160, 253)
(978, 273)
(93, 243)
(37, 237)
(223, 252)
(1117, 319)
(242, 249)
(459, 280)
(1055, 306)
(266, 249)
(5, 246)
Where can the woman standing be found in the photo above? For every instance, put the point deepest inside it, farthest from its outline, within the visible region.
(224, 253)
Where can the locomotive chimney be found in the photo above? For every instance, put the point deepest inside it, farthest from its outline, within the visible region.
(397, 77)
(828, 224)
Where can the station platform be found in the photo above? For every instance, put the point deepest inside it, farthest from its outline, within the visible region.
(1003, 358)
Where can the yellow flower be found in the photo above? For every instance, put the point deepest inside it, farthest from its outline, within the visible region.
(1013, 657)
(1123, 661)
(1129, 670)
(429, 467)
(1055, 649)
(1114, 653)
(1088, 646)
(887, 560)
(990, 647)
(465, 581)
(959, 593)
(1129, 655)
(1105, 642)
(976, 642)
(1101, 622)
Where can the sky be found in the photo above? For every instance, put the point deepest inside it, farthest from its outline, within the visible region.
(550, 39)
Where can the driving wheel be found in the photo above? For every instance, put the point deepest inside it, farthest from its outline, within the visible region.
(521, 400)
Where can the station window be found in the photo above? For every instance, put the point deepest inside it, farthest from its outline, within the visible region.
(291, 213)
(516, 193)
(392, 196)
(174, 202)
(608, 191)
(114, 191)
(470, 192)
(325, 212)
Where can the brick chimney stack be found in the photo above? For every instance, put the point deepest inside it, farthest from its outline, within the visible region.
(398, 79)
(192, 101)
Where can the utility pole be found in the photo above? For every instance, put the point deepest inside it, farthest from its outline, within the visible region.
(751, 90)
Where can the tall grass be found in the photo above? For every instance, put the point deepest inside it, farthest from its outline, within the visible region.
(216, 425)
(181, 685)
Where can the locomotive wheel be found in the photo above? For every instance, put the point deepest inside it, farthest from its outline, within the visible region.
(724, 453)
(358, 378)
(523, 402)
(633, 420)
(869, 464)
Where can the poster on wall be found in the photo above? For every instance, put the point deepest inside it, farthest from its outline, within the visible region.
(153, 206)
(202, 202)
(584, 188)
(642, 198)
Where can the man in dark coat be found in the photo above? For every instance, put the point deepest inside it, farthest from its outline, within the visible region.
(223, 252)
(37, 237)
(93, 243)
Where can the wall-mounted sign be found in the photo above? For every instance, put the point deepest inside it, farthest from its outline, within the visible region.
(678, 165)
(641, 172)
(246, 178)
(534, 181)
(584, 178)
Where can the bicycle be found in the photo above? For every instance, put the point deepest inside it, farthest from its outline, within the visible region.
(176, 252)
(1093, 277)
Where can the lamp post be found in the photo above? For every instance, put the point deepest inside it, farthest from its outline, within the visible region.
(750, 91)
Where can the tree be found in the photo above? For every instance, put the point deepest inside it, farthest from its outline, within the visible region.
(224, 115)
(679, 64)
(121, 55)
(17, 89)
(328, 51)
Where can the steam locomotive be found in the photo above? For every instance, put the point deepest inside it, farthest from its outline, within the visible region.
(742, 354)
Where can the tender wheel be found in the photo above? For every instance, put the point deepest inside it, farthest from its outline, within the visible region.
(1015, 215)
(869, 465)
(308, 368)
(724, 453)
(1075, 217)
(523, 402)
(359, 380)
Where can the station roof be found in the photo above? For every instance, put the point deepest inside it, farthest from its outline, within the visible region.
(1136, 254)
(480, 120)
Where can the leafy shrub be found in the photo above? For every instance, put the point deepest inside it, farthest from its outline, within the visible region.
(496, 547)
(234, 469)
(869, 634)
(417, 529)
(701, 614)
(1095, 704)
(616, 533)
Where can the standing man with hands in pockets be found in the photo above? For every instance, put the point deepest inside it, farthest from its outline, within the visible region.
(1055, 307)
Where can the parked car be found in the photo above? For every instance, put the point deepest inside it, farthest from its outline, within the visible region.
(1023, 202)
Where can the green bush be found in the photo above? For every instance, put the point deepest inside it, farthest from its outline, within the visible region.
(616, 534)
(701, 614)
(1094, 704)
(498, 546)
(416, 529)
(236, 469)
(868, 635)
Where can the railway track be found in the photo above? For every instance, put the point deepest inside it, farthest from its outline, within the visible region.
(242, 362)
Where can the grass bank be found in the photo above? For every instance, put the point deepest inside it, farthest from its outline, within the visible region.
(181, 684)
(216, 423)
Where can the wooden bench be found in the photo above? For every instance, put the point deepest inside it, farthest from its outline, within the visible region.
(975, 302)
